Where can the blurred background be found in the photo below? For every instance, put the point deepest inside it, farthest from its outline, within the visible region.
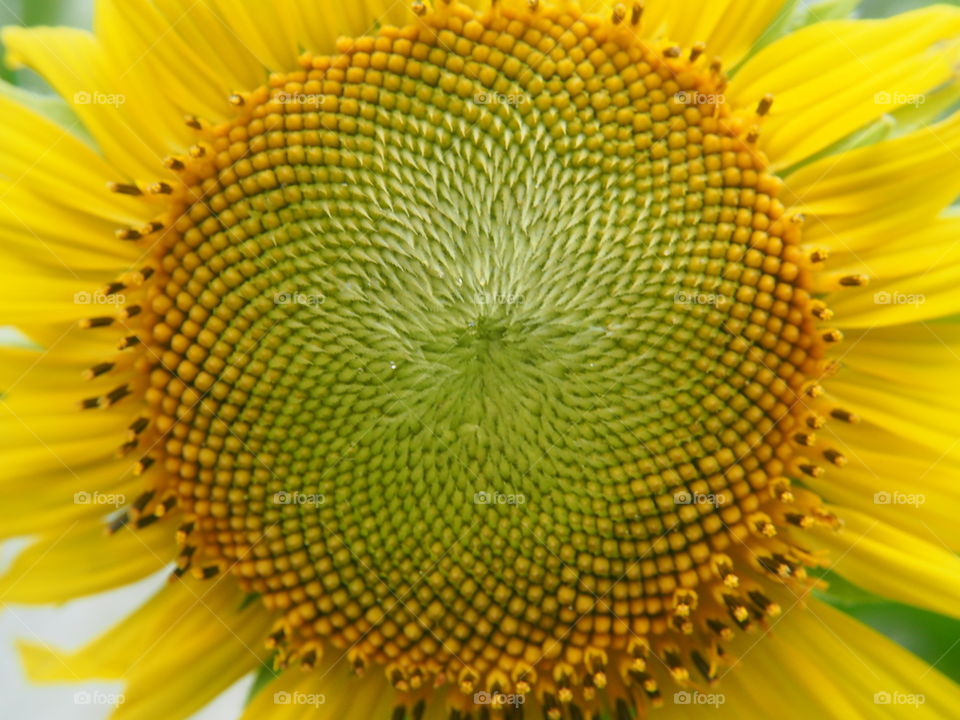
(933, 637)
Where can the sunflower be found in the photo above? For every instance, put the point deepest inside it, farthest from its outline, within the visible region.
(471, 361)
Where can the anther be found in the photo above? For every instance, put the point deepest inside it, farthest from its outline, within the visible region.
(97, 370)
(832, 336)
(127, 448)
(237, 100)
(819, 255)
(143, 465)
(174, 163)
(137, 426)
(128, 234)
(835, 456)
(763, 107)
(706, 669)
(197, 151)
(766, 605)
(97, 322)
(419, 9)
(672, 52)
(128, 342)
(619, 13)
(183, 531)
(820, 311)
(160, 188)
(813, 390)
(753, 134)
(113, 288)
(124, 188)
(844, 415)
(116, 395)
(854, 280)
(811, 470)
(697, 50)
(142, 501)
(193, 122)
(131, 311)
(636, 13)
(805, 439)
(118, 522)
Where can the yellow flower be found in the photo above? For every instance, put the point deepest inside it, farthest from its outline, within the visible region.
(466, 362)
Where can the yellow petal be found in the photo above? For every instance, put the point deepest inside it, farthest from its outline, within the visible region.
(82, 559)
(860, 202)
(200, 621)
(111, 108)
(832, 78)
(728, 27)
(822, 663)
(329, 692)
(891, 562)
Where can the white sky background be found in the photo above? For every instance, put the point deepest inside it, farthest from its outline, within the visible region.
(67, 627)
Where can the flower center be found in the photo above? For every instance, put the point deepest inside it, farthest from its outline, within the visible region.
(484, 347)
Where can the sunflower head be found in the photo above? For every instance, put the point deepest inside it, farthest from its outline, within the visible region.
(485, 353)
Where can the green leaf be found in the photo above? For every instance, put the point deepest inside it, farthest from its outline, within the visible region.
(263, 676)
(52, 107)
